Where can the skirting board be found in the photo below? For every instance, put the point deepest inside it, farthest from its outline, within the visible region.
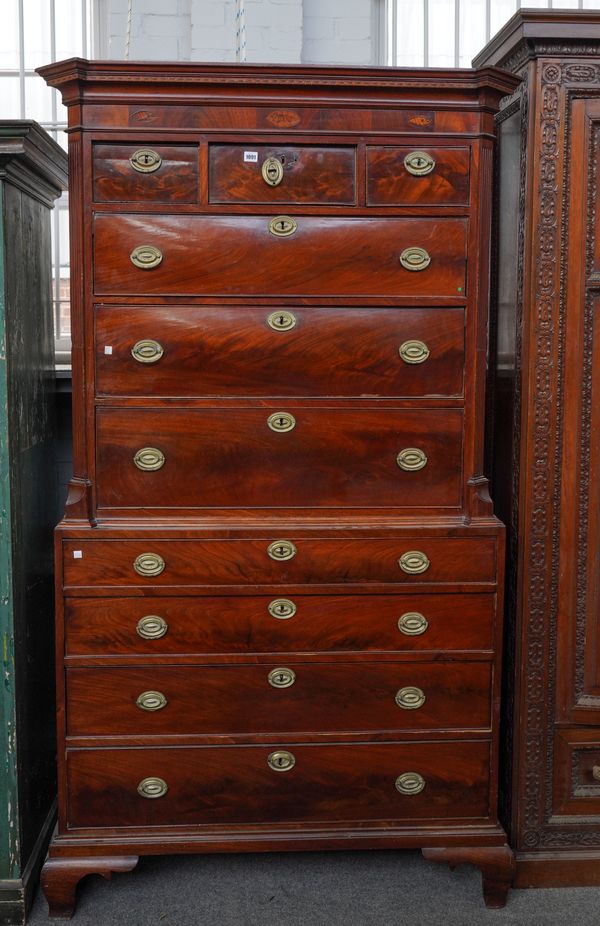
(558, 869)
(16, 894)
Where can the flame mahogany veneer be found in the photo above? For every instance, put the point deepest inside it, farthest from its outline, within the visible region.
(279, 570)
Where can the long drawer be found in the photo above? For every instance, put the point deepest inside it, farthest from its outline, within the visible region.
(224, 785)
(268, 624)
(236, 255)
(282, 698)
(308, 458)
(166, 563)
(225, 350)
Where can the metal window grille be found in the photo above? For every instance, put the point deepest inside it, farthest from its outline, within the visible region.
(449, 33)
(35, 32)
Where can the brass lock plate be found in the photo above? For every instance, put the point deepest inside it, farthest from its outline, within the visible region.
(281, 321)
(282, 608)
(281, 760)
(145, 160)
(281, 678)
(272, 171)
(281, 550)
(419, 163)
(281, 422)
(282, 226)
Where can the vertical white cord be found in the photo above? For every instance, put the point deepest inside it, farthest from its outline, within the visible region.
(128, 30)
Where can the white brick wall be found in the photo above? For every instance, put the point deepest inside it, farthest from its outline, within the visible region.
(287, 31)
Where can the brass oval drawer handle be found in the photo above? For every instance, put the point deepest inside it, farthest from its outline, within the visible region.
(151, 627)
(272, 171)
(410, 698)
(414, 351)
(149, 459)
(414, 562)
(147, 351)
(145, 160)
(149, 564)
(281, 321)
(411, 459)
(151, 701)
(281, 678)
(282, 226)
(146, 257)
(281, 550)
(412, 624)
(281, 422)
(281, 760)
(419, 163)
(415, 259)
(152, 787)
(410, 783)
(282, 608)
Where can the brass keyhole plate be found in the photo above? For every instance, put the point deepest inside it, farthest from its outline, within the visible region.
(419, 163)
(281, 321)
(281, 678)
(281, 422)
(281, 760)
(282, 608)
(145, 160)
(281, 550)
(272, 171)
(282, 226)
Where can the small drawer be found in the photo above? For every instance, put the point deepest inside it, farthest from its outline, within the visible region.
(403, 176)
(145, 173)
(277, 561)
(288, 697)
(244, 255)
(278, 623)
(262, 351)
(576, 780)
(282, 174)
(191, 786)
(355, 458)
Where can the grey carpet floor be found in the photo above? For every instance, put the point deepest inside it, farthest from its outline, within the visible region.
(313, 889)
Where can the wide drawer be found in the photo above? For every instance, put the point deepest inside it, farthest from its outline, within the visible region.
(281, 698)
(258, 351)
(277, 561)
(237, 255)
(145, 173)
(268, 624)
(236, 784)
(281, 174)
(328, 458)
(403, 176)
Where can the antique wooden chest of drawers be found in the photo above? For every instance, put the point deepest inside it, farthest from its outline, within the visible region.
(279, 570)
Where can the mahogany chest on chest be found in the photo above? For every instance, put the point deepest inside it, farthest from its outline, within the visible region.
(279, 570)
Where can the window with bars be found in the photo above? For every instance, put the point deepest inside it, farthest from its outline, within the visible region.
(35, 32)
(449, 33)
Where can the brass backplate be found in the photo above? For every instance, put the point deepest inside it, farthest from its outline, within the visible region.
(414, 562)
(419, 163)
(415, 259)
(410, 783)
(146, 257)
(151, 627)
(151, 701)
(272, 171)
(412, 623)
(411, 459)
(149, 564)
(149, 459)
(410, 698)
(147, 351)
(152, 787)
(414, 351)
(145, 160)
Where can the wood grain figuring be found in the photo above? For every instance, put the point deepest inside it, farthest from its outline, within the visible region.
(239, 699)
(175, 181)
(350, 455)
(238, 256)
(246, 562)
(390, 183)
(244, 625)
(315, 325)
(233, 351)
(310, 174)
(236, 785)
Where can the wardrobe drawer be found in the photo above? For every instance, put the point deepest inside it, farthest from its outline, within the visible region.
(285, 697)
(236, 784)
(235, 255)
(145, 173)
(262, 351)
(278, 623)
(281, 174)
(419, 176)
(277, 561)
(305, 458)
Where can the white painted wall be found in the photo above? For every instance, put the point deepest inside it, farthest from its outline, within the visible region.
(269, 31)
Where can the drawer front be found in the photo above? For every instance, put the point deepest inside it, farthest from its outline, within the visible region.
(280, 698)
(281, 174)
(224, 785)
(278, 623)
(442, 176)
(352, 458)
(165, 174)
(111, 563)
(238, 256)
(299, 351)
(576, 778)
